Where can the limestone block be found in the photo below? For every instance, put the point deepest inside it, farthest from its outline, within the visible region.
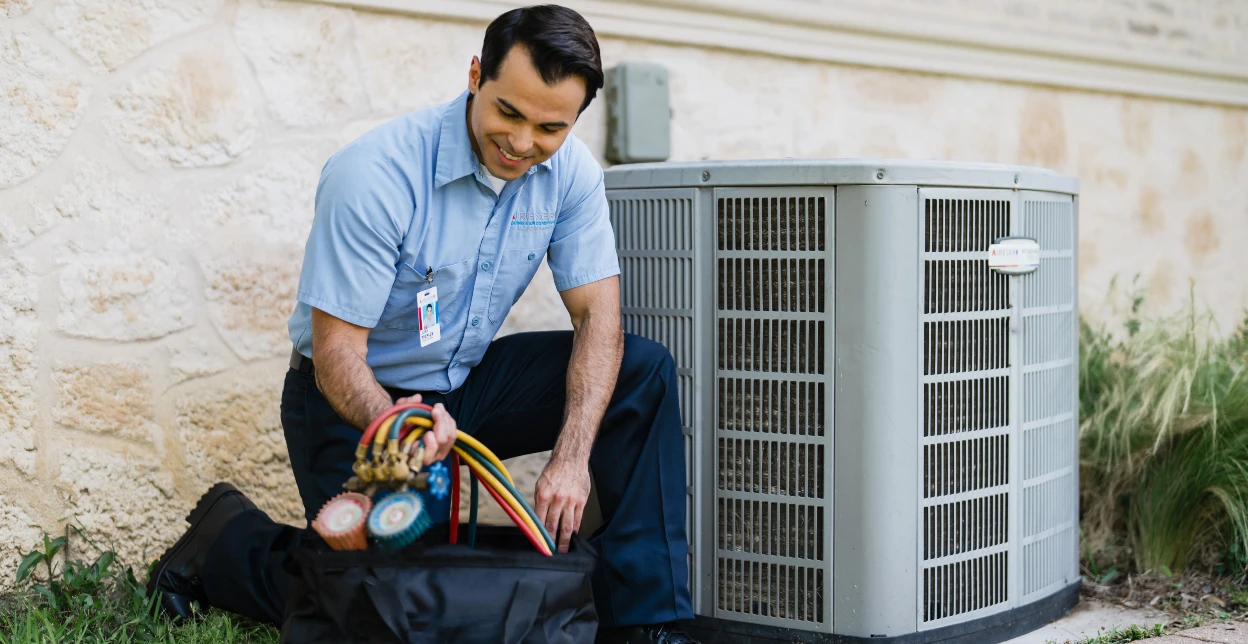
(196, 357)
(273, 203)
(193, 111)
(14, 8)
(105, 204)
(41, 103)
(408, 64)
(539, 308)
(19, 329)
(234, 433)
(250, 300)
(123, 296)
(107, 33)
(302, 56)
(19, 293)
(106, 398)
(126, 502)
(20, 223)
(19, 534)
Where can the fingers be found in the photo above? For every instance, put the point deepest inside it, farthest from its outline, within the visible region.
(446, 429)
(562, 517)
(414, 398)
(431, 448)
(438, 442)
(543, 496)
(567, 518)
(567, 523)
(577, 511)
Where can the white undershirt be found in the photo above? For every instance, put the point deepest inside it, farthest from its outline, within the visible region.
(494, 181)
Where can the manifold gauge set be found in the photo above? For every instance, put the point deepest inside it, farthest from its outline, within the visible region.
(381, 506)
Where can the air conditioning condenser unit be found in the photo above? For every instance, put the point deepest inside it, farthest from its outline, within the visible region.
(878, 375)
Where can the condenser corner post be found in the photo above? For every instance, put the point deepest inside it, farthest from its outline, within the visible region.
(879, 388)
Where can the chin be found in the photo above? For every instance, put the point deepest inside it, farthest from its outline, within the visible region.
(509, 173)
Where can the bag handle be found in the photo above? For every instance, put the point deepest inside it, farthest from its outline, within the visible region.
(388, 604)
(522, 613)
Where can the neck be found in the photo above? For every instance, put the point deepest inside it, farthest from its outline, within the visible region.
(472, 137)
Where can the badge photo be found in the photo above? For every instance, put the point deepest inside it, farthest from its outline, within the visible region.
(428, 322)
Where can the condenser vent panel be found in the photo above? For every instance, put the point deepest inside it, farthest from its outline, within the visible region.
(880, 428)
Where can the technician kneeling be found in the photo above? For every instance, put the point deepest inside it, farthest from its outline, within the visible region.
(427, 229)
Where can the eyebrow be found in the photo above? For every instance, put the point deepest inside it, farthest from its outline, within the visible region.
(521, 114)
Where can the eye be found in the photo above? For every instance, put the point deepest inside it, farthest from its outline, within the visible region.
(550, 130)
(509, 115)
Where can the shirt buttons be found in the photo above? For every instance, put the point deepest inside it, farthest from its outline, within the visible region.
(531, 256)
(485, 266)
(476, 321)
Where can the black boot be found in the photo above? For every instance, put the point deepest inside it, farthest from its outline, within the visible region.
(177, 573)
(653, 634)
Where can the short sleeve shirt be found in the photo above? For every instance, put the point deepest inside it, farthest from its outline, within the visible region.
(407, 207)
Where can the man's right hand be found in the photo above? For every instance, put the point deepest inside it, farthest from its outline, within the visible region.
(439, 441)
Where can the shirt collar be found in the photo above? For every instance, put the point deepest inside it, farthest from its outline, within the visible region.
(455, 156)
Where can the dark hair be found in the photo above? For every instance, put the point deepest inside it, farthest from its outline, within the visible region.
(559, 41)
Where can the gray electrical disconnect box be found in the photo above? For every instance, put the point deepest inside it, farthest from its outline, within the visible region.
(638, 113)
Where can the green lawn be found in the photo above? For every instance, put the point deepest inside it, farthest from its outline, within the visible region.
(98, 602)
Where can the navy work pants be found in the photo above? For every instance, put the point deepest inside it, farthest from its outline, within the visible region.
(513, 402)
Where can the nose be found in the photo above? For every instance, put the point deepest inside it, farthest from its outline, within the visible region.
(520, 143)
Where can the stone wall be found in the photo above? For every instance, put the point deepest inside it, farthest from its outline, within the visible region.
(1200, 29)
(157, 168)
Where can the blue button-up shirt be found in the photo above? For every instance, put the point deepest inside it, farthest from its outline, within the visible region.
(410, 197)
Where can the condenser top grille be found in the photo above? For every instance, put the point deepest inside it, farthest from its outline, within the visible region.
(813, 173)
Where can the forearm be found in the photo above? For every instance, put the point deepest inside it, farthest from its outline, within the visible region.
(597, 348)
(343, 375)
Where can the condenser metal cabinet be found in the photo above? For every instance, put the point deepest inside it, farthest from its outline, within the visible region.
(880, 429)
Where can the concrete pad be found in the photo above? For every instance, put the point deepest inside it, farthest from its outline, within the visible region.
(1089, 618)
(1219, 633)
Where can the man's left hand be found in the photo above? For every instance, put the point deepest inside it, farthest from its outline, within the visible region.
(562, 490)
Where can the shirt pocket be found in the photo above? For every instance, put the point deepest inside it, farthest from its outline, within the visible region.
(515, 270)
(402, 311)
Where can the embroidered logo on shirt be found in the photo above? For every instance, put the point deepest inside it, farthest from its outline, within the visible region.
(533, 219)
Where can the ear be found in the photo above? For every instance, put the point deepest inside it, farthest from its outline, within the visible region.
(474, 76)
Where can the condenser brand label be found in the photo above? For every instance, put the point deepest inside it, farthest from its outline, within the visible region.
(1014, 255)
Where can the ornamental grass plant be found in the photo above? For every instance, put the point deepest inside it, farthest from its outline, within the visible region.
(1164, 442)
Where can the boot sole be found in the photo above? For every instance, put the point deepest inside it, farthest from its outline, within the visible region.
(174, 604)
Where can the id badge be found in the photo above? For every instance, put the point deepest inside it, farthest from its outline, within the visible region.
(430, 325)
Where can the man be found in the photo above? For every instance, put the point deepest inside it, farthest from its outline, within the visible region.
(451, 209)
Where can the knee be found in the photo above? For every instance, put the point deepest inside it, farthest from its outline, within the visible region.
(645, 359)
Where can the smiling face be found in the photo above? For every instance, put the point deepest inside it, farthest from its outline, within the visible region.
(516, 120)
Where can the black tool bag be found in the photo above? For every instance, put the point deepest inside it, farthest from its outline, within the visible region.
(500, 591)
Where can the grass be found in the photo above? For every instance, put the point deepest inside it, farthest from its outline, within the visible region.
(1164, 443)
(1130, 633)
(69, 600)
(1135, 632)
